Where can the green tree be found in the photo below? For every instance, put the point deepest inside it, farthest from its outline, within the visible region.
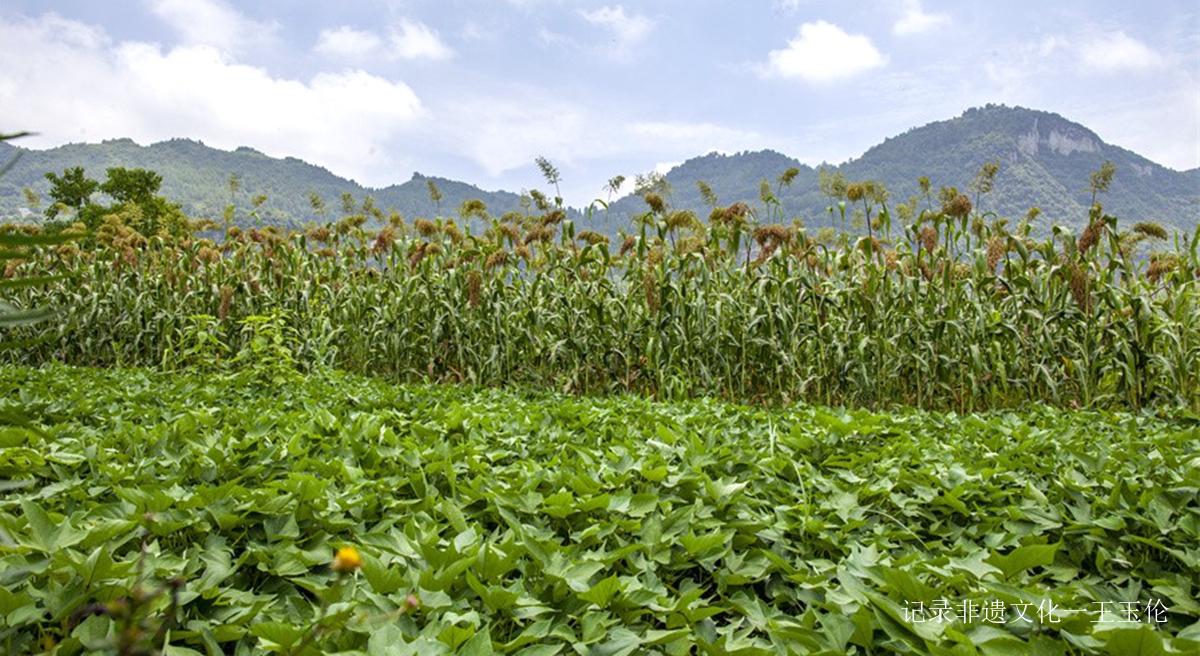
(137, 203)
(137, 186)
(71, 190)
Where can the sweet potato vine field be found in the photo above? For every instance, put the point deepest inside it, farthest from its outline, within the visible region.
(200, 514)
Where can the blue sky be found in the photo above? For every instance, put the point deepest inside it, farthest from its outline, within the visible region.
(473, 90)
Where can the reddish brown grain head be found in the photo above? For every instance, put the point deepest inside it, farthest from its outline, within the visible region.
(425, 227)
(1090, 236)
(497, 259)
(996, 249)
(958, 207)
(627, 245)
(226, 302)
(474, 285)
(929, 238)
(1080, 285)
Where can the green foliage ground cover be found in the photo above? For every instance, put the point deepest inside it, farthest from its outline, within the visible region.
(543, 524)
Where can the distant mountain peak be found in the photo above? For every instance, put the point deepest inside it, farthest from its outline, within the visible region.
(1058, 139)
(1046, 160)
(197, 176)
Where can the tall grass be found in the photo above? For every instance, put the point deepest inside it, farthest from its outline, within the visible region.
(953, 310)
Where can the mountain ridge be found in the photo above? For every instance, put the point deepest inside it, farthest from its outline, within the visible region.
(197, 176)
(1045, 161)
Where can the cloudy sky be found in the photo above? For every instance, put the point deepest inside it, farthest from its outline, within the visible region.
(474, 90)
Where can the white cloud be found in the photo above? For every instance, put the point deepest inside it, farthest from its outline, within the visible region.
(1163, 126)
(213, 23)
(345, 41)
(627, 29)
(698, 137)
(406, 40)
(823, 52)
(665, 167)
(1022, 71)
(503, 133)
(1158, 117)
(473, 31)
(551, 38)
(1050, 45)
(88, 87)
(916, 20)
(626, 187)
(414, 40)
(1019, 71)
(1117, 52)
(677, 139)
(83, 86)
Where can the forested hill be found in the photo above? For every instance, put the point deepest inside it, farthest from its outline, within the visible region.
(197, 177)
(1045, 161)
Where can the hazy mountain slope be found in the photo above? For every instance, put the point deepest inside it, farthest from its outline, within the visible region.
(1045, 161)
(197, 176)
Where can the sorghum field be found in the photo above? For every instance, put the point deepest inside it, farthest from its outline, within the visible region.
(951, 311)
(720, 435)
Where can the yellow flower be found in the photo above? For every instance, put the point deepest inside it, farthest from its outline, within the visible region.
(346, 560)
